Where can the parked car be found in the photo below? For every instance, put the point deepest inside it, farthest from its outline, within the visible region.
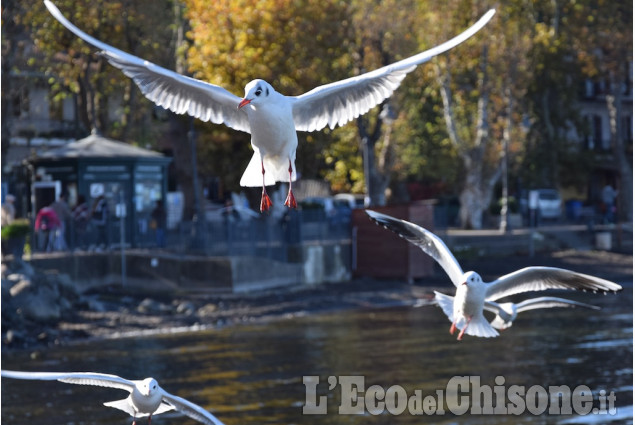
(353, 201)
(549, 203)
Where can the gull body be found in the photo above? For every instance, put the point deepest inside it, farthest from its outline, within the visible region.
(274, 144)
(146, 397)
(271, 118)
(472, 293)
(468, 305)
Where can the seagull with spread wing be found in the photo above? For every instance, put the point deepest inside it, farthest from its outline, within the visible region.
(271, 118)
(146, 397)
(472, 294)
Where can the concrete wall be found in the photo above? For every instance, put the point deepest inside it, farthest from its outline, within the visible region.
(314, 264)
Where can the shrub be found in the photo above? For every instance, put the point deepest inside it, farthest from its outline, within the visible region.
(20, 227)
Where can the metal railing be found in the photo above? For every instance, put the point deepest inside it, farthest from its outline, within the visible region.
(264, 236)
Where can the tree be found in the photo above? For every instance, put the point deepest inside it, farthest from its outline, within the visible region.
(379, 43)
(604, 42)
(478, 105)
(74, 66)
(13, 40)
(552, 96)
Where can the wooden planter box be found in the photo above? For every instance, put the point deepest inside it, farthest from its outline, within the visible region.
(380, 253)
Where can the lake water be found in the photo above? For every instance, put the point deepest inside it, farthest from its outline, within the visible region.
(253, 374)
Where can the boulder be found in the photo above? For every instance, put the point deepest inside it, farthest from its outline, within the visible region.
(40, 306)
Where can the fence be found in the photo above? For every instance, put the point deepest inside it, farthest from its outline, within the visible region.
(264, 236)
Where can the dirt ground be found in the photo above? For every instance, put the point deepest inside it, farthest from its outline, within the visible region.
(112, 313)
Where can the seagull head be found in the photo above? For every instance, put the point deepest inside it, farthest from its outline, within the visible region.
(471, 278)
(148, 386)
(256, 91)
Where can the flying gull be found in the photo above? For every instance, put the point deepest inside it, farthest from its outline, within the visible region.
(146, 397)
(271, 118)
(472, 293)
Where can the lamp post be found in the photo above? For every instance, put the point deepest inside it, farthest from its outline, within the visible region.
(504, 224)
(120, 212)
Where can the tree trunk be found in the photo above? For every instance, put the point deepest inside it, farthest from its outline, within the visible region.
(179, 126)
(478, 186)
(376, 171)
(624, 169)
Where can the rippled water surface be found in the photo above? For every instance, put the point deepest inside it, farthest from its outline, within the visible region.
(252, 374)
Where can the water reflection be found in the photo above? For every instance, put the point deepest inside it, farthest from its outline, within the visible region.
(253, 374)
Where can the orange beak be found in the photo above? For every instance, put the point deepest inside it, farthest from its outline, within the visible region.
(244, 102)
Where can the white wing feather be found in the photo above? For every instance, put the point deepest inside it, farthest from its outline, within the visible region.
(506, 313)
(80, 378)
(541, 278)
(551, 302)
(190, 409)
(342, 101)
(173, 91)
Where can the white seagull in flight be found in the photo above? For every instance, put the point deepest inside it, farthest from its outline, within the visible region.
(146, 397)
(271, 118)
(472, 294)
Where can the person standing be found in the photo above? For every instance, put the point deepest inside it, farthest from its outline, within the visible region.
(63, 212)
(100, 215)
(159, 223)
(81, 217)
(608, 203)
(46, 225)
(8, 210)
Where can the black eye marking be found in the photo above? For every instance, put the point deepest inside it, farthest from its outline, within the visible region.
(267, 91)
(258, 91)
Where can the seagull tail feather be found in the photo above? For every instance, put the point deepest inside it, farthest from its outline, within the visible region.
(252, 177)
(278, 168)
(446, 302)
(479, 326)
(124, 405)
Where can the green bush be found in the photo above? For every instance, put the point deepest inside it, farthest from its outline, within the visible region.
(19, 227)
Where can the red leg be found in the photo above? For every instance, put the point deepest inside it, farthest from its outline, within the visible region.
(464, 328)
(290, 202)
(265, 200)
(453, 328)
(150, 419)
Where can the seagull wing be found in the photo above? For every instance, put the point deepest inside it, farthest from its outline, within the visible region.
(173, 91)
(542, 278)
(551, 302)
(340, 102)
(429, 243)
(505, 314)
(80, 378)
(190, 409)
(493, 307)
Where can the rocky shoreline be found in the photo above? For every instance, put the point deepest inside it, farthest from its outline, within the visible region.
(44, 309)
